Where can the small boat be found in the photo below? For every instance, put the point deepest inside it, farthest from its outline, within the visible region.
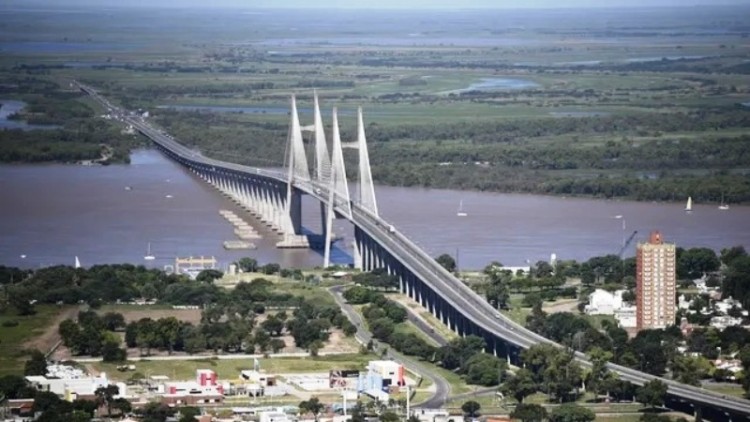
(689, 205)
(128, 188)
(461, 212)
(168, 196)
(723, 206)
(148, 256)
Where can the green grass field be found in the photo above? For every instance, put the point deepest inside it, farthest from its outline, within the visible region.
(13, 339)
(230, 368)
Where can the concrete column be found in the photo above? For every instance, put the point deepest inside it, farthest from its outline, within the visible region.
(324, 220)
(295, 212)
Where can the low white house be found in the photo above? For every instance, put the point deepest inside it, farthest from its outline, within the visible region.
(722, 322)
(602, 302)
(727, 304)
(625, 316)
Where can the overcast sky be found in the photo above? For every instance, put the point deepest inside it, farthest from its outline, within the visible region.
(389, 4)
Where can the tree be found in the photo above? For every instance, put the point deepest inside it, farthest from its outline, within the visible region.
(529, 413)
(123, 406)
(271, 268)
(20, 299)
(695, 262)
(209, 276)
(313, 406)
(167, 332)
(276, 345)
(520, 385)
(15, 387)
(189, 413)
(248, 265)
(599, 376)
(111, 352)
(571, 412)
(389, 416)
(498, 295)
(537, 320)
(652, 393)
(112, 321)
(105, 395)
(484, 369)
(690, 369)
(156, 412)
(471, 408)
(273, 325)
(728, 255)
(36, 365)
(447, 262)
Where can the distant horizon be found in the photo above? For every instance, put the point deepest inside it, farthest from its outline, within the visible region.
(405, 5)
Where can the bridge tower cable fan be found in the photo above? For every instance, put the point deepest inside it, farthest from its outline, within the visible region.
(338, 189)
(322, 170)
(366, 187)
(298, 172)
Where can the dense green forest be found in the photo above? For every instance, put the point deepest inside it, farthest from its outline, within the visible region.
(647, 156)
(80, 135)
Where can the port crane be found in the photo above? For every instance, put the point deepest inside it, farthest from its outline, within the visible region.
(627, 243)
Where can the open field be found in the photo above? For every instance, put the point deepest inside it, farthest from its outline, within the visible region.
(229, 369)
(33, 331)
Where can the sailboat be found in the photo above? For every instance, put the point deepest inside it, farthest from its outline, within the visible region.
(78, 263)
(461, 212)
(689, 205)
(723, 206)
(148, 256)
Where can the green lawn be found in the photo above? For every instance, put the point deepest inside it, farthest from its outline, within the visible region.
(726, 389)
(12, 339)
(408, 327)
(230, 368)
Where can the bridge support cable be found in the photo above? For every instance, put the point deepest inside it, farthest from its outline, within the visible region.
(298, 173)
(338, 189)
(366, 187)
(322, 159)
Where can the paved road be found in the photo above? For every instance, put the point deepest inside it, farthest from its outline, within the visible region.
(423, 326)
(442, 388)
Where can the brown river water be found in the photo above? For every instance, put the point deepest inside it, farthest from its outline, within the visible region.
(50, 214)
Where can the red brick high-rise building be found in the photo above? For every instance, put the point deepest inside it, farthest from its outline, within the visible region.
(655, 277)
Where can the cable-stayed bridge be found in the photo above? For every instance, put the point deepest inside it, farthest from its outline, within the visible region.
(275, 198)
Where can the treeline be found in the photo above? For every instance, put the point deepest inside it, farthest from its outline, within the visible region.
(652, 351)
(665, 154)
(79, 137)
(502, 156)
(18, 146)
(736, 280)
(57, 109)
(239, 322)
(504, 131)
(125, 282)
(642, 186)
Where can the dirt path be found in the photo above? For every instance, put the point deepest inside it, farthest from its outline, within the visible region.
(50, 337)
(564, 305)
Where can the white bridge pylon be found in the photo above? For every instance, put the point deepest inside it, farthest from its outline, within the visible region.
(330, 172)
